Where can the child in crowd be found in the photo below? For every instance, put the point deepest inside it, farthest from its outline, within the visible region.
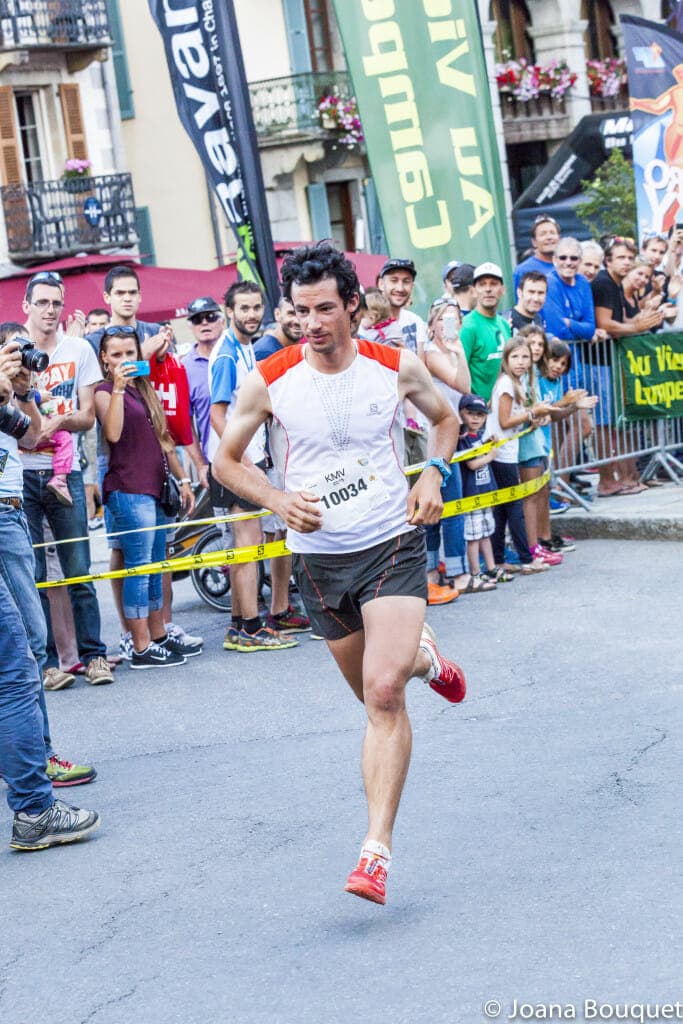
(557, 362)
(534, 453)
(477, 478)
(376, 317)
(61, 442)
(513, 407)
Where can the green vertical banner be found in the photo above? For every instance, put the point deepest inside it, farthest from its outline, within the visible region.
(420, 82)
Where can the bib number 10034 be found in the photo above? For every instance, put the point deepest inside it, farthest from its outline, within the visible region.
(342, 494)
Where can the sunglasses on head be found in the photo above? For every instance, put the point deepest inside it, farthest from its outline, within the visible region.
(49, 276)
(437, 303)
(619, 240)
(544, 219)
(211, 317)
(649, 235)
(115, 330)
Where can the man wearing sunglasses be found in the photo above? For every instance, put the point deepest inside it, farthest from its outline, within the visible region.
(545, 234)
(207, 324)
(70, 379)
(568, 310)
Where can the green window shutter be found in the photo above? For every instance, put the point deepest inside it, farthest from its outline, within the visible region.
(378, 242)
(319, 210)
(297, 36)
(118, 52)
(143, 226)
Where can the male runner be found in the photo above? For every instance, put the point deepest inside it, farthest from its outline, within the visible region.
(333, 408)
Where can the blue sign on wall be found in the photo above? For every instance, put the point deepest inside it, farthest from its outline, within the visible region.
(92, 211)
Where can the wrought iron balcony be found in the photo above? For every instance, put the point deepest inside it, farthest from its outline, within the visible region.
(50, 219)
(37, 24)
(288, 107)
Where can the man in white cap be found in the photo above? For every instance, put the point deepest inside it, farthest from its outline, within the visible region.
(484, 332)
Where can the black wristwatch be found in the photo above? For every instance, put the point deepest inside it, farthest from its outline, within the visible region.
(443, 468)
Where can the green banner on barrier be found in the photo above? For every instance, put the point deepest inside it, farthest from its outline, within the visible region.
(423, 96)
(652, 375)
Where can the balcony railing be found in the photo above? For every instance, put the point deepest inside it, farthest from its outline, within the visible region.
(37, 24)
(49, 219)
(618, 102)
(288, 107)
(542, 117)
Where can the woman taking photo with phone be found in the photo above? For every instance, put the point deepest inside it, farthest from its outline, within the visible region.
(141, 459)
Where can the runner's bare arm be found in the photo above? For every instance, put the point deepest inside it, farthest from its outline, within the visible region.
(299, 510)
(414, 382)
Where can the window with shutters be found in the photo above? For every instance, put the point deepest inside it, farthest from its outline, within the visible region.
(76, 145)
(29, 136)
(600, 35)
(319, 34)
(9, 142)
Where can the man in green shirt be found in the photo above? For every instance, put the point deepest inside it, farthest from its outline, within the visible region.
(484, 332)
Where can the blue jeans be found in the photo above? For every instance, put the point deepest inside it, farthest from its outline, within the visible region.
(74, 558)
(511, 514)
(17, 569)
(452, 529)
(141, 594)
(23, 757)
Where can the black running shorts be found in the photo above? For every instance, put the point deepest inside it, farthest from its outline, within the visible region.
(222, 498)
(334, 588)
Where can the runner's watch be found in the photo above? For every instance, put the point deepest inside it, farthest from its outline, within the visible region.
(443, 468)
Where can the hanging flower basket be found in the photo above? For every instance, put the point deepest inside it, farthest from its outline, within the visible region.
(338, 115)
(76, 175)
(607, 78)
(525, 81)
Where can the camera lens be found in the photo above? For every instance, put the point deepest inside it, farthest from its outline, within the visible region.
(32, 359)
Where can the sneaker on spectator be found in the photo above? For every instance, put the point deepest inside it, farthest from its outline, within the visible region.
(230, 640)
(559, 543)
(178, 633)
(264, 639)
(60, 823)
(557, 507)
(55, 679)
(58, 487)
(510, 556)
(180, 645)
(126, 646)
(549, 557)
(289, 621)
(95, 522)
(438, 594)
(98, 672)
(529, 568)
(64, 773)
(156, 656)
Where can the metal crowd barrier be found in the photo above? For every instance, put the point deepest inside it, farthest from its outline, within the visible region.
(594, 438)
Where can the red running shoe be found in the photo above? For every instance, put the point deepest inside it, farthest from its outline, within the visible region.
(449, 682)
(368, 880)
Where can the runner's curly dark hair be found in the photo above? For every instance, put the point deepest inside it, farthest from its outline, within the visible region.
(313, 263)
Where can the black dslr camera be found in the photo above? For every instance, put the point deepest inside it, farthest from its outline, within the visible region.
(13, 422)
(31, 358)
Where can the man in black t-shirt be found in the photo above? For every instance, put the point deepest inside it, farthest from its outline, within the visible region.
(531, 295)
(610, 319)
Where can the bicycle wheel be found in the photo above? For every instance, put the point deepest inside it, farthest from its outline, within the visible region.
(212, 582)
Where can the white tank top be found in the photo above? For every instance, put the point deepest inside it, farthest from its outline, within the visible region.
(340, 435)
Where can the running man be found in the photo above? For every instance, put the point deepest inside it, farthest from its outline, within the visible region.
(334, 412)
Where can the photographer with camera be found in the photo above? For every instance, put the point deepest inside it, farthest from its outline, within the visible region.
(22, 422)
(70, 376)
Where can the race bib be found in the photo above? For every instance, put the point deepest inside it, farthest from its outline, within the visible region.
(348, 490)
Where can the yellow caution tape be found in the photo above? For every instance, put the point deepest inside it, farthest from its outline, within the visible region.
(473, 453)
(278, 548)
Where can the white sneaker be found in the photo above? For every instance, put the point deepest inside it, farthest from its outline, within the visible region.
(126, 646)
(178, 633)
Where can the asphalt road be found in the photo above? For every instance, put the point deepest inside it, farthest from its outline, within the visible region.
(537, 855)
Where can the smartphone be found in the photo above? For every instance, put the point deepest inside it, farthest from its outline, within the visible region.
(450, 326)
(141, 367)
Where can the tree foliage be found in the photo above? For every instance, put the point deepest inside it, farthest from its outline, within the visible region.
(610, 204)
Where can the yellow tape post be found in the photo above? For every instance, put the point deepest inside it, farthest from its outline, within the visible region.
(278, 548)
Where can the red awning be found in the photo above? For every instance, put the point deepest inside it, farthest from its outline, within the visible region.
(166, 291)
